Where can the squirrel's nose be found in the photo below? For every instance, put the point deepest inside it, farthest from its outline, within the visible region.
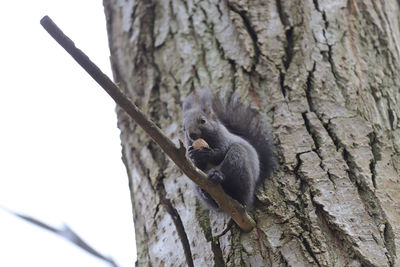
(193, 136)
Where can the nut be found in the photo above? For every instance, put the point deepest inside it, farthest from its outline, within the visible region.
(200, 144)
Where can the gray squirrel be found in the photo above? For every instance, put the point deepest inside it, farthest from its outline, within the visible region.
(239, 155)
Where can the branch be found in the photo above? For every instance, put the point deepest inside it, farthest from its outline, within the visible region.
(66, 233)
(177, 154)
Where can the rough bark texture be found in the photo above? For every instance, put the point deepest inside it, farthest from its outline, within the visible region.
(327, 75)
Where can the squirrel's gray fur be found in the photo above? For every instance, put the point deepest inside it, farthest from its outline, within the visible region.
(241, 154)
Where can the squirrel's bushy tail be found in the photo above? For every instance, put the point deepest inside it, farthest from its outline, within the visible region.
(248, 123)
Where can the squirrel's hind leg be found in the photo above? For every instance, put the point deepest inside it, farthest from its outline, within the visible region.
(239, 180)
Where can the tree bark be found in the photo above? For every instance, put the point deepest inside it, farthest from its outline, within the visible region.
(324, 72)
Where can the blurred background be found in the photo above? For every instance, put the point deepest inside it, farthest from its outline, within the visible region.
(60, 154)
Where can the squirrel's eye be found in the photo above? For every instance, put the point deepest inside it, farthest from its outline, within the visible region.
(202, 121)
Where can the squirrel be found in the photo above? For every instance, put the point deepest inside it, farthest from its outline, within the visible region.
(235, 150)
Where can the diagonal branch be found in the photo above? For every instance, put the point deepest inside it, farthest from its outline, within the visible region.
(66, 233)
(177, 154)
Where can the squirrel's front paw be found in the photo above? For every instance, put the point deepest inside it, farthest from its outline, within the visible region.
(199, 157)
(216, 176)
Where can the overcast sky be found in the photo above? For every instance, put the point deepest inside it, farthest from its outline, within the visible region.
(60, 154)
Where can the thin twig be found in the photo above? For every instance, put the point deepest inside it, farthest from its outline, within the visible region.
(177, 154)
(65, 232)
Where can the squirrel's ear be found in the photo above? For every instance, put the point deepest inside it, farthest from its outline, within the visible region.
(206, 108)
(192, 99)
(212, 116)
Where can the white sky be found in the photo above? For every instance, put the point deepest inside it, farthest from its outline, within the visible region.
(60, 154)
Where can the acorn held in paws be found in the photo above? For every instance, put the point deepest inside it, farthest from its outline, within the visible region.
(200, 144)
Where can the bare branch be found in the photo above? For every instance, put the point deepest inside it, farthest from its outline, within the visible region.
(177, 154)
(66, 233)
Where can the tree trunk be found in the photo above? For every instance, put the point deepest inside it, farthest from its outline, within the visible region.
(326, 73)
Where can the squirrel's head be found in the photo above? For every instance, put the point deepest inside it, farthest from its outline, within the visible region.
(199, 120)
(199, 123)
